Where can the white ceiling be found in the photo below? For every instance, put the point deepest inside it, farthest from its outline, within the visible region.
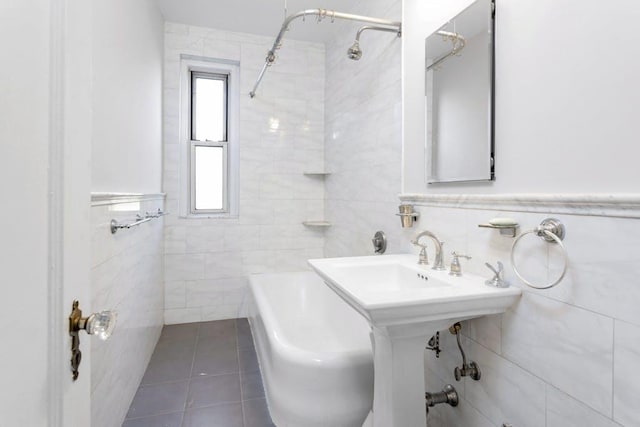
(253, 16)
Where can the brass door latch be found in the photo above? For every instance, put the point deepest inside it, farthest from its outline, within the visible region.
(100, 324)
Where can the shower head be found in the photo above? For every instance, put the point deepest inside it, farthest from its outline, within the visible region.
(354, 52)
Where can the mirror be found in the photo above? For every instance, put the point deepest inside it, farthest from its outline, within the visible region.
(459, 97)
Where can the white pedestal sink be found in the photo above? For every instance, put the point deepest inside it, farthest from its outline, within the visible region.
(405, 304)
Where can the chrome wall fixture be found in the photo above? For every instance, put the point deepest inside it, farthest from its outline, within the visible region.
(320, 15)
(115, 225)
(448, 395)
(407, 215)
(550, 230)
(355, 52)
(506, 226)
(472, 369)
(458, 42)
(379, 242)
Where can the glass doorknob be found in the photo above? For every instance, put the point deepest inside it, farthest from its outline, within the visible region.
(102, 324)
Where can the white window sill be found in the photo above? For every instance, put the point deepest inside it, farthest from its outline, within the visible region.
(209, 216)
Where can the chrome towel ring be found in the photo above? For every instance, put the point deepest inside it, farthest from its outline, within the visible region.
(552, 231)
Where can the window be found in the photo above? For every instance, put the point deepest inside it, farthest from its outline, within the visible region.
(209, 132)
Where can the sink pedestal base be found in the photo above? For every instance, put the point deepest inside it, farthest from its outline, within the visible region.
(398, 358)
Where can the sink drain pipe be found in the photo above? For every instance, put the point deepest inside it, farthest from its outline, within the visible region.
(448, 395)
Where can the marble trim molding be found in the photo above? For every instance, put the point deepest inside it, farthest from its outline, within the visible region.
(103, 199)
(613, 205)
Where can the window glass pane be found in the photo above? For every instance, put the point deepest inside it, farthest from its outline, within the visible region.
(209, 177)
(209, 109)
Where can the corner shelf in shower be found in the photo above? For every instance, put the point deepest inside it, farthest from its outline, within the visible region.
(316, 173)
(316, 223)
(322, 224)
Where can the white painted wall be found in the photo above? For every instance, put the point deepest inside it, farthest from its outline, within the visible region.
(363, 136)
(565, 98)
(207, 261)
(127, 92)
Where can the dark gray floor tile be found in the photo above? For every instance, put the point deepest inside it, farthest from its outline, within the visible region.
(218, 328)
(219, 362)
(243, 326)
(181, 331)
(251, 385)
(182, 349)
(224, 415)
(245, 343)
(159, 399)
(245, 339)
(165, 420)
(160, 371)
(208, 391)
(208, 344)
(256, 413)
(248, 361)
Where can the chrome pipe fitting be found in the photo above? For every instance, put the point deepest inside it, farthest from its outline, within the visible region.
(472, 369)
(448, 395)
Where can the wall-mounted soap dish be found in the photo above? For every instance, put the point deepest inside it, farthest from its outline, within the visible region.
(507, 227)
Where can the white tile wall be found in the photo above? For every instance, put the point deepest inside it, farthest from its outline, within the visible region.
(126, 276)
(363, 138)
(563, 411)
(207, 260)
(625, 382)
(563, 356)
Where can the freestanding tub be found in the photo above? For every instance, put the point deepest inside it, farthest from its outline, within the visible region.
(314, 352)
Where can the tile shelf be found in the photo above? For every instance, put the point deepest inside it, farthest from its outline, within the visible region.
(316, 223)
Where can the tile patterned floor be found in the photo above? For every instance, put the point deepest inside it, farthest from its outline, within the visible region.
(202, 375)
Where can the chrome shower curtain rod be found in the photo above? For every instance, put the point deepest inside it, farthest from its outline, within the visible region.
(321, 14)
(459, 42)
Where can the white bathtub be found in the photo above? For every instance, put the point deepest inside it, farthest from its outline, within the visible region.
(314, 352)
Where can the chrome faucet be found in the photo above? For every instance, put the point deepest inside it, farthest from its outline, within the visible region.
(422, 258)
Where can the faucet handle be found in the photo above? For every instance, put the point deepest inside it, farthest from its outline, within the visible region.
(456, 269)
(416, 243)
(497, 280)
(457, 255)
(497, 272)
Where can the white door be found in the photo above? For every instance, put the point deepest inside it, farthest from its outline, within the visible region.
(45, 121)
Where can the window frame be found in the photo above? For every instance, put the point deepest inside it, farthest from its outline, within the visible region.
(225, 177)
(191, 67)
(211, 76)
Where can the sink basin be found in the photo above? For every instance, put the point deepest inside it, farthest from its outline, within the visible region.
(395, 290)
(405, 304)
